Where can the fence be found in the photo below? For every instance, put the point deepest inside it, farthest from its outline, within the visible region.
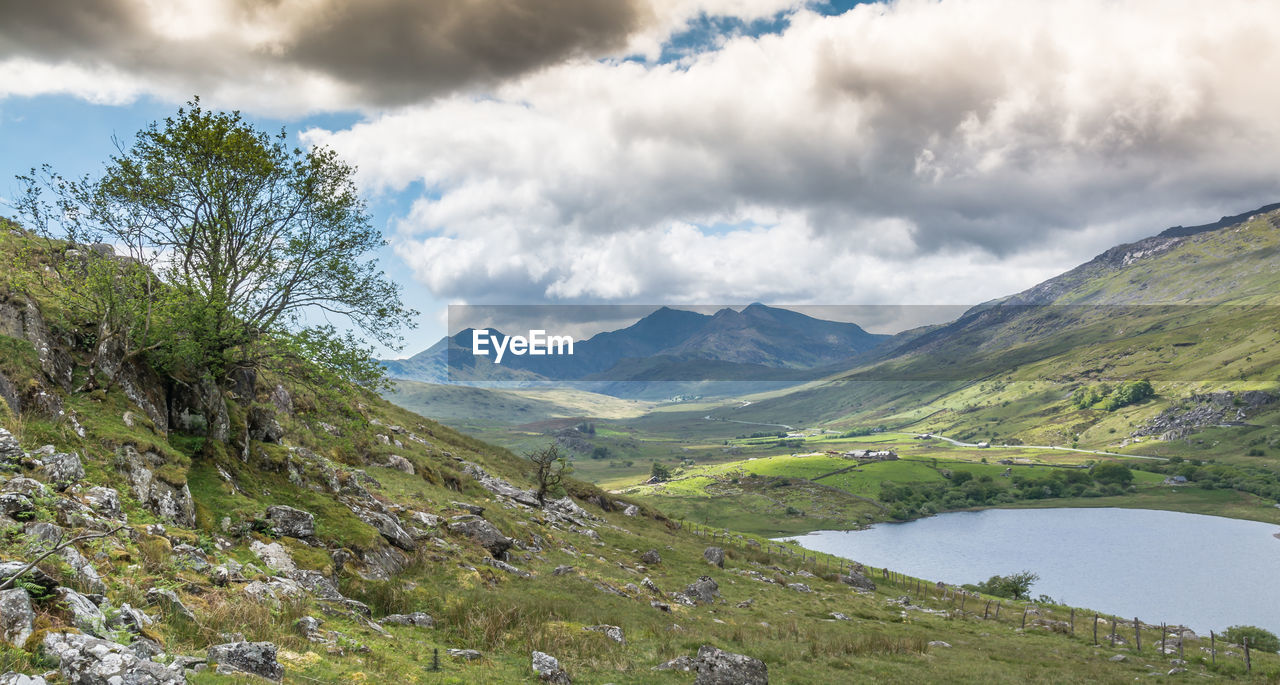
(962, 603)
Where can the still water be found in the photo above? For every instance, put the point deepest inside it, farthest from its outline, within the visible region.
(1204, 572)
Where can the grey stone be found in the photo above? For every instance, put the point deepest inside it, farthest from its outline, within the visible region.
(84, 571)
(651, 557)
(939, 643)
(800, 587)
(1119, 657)
(612, 632)
(308, 626)
(561, 570)
(290, 522)
(274, 555)
(263, 425)
(166, 500)
(484, 533)
(417, 618)
(169, 601)
(548, 669)
(399, 463)
(718, 667)
(10, 450)
(17, 506)
(104, 500)
(464, 654)
(680, 663)
(631, 510)
(17, 618)
(84, 612)
(62, 469)
(703, 590)
(34, 575)
(714, 556)
(254, 658)
(85, 660)
(388, 527)
(14, 678)
(858, 581)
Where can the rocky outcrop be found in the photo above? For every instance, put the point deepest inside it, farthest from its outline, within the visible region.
(651, 557)
(1205, 410)
(141, 385)
(704, 590)
(484, 533)
(714, 556)
(417, 618)
(387, 526)
(14, 678)
(263, 425)
(289, 522)
(612, 632)
(85, 660)
(10, 450)
(17, 619)
(33, 576)
(104, 501)
(62, 469)
(200, 409)
(170, 501)
(274, 555)
(858, 581)
(253, 658)
(498, 486)
(399, 463)
(548, 669)
(718, 667)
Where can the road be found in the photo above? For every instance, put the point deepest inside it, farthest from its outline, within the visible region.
(957, 443)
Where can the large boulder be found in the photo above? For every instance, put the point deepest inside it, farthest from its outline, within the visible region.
(34, 576)
(62, 469)
(718, 667)
(17, 506)
(548, 669)
(388, 527)
(263, 425)
(15, 678)
(17, 618)
(290, 522)
(274, 555)
(85, 660)
(703, 590)
(168, 500)
(486, 534)
(858, 581)
(104, 500)
(253, 658)
(714, 556)
(85, 614)
(10, 450)
(417, 618)
(651, 557)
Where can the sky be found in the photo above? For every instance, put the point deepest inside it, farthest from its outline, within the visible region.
(696, 151)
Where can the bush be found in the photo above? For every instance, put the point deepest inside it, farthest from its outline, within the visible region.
(1014, 586)
(1259, 638)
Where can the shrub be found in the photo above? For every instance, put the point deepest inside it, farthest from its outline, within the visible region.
(1259, 638)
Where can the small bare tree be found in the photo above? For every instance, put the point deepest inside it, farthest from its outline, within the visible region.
(549, 469)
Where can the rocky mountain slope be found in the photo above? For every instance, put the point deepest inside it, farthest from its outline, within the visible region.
(278, 530)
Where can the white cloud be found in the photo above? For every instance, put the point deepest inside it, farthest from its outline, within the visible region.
(891, 154)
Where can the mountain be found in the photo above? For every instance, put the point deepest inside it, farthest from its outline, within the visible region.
(758, 343)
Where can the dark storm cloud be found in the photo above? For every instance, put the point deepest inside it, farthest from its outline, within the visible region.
(382, 51)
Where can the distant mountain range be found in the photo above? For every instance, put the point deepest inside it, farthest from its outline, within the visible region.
(757, 343)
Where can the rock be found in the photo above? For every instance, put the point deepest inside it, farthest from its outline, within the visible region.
(651, 557)
(429, 520)
(858, 581)
(13, 678)
(800, 587)
(182, 663)
(660, 606)
(548, 669)
(417, 618)
(464, 654)
(62, 469)
(17, 618)
(84, 571)
(1119, 657)
(474, 509)
(253, 658)
(561, 570)
(497, 486)
(85, 614)
(34, 575)
(317, 584)
(1176, 670)
(281, 399)
(192, 556)
(680, 663)
(939, 643)
(308, 626)
(103, 500)
(274, 555)
(746, 604)
(263, 425)
(25, 486)
(703, 590)
(612, 632)
(631, 510)
(567, 509)
(718, 667)
(504, 566)
(714, 556)
(169, 601)
(169, 501)
(10, 450)
(388, 527)
(128, 618)
(290, 522)
(17, 506)
(85, 660)
(484, 533)
(399, 463)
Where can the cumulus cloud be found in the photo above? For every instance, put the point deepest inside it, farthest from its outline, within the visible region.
(917, 151)
(292, 56)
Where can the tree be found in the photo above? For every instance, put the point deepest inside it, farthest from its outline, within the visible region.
(549, 469)
(660, 472)
(1111, 472)
(1259, 638)
(245, 243)
(1014, 586)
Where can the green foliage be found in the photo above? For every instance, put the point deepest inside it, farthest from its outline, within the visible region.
(1259, 638)
(549, 470)
(660, 472)
(1112, 472)
(1013, 586)
(1110, 398)
(234, 242)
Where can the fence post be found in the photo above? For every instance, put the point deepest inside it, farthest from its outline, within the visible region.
(1164, 631)
(1095, 630)
(998, 609)
(1024, 618)
(1137, 633)
(1113, 631)
(1073, 621)
(1213, 648)
(1180, 637)
(1248, 664)
(985, 609)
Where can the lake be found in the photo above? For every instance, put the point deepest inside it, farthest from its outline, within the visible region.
(1204, 572)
